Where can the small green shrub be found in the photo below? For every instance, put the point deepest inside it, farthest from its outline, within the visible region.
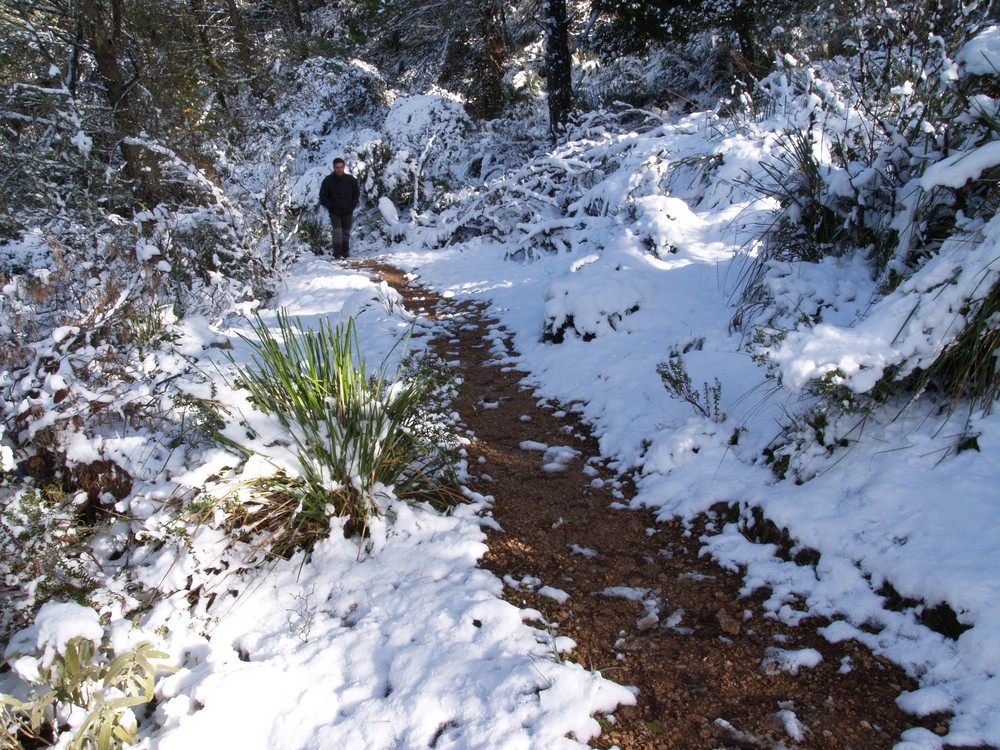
(819, 432)
(83, 675)
(313, 232)
(676, 379)
(149, 327)
(43, 542)
(358, 435)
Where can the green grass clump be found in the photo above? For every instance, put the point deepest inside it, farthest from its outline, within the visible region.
(358, 434)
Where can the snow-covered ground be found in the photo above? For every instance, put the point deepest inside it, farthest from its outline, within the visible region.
(403, 642)
(409, 642)
(895, 507)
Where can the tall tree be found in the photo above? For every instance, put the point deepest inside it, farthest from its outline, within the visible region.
(486, 94)
(90, 89)
(462, 46)
(240, 35)
(202, 19)
(558, 66)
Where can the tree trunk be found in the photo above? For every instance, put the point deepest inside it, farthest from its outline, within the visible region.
(240, 36)
(559, 84)
(296, 10)
(104, 39)
(743, 23)
(296, 29)
(201, 18)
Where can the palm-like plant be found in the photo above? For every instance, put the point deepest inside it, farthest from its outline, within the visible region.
(358, 434)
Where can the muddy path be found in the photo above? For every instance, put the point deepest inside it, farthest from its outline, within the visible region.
(634, 594)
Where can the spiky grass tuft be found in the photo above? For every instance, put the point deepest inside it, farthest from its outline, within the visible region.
(358, 434)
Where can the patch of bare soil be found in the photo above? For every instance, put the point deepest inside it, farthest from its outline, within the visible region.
(644, 607)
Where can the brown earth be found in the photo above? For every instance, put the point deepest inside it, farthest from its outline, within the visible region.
(697, 650)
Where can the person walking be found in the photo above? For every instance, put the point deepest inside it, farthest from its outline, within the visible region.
(339, 195)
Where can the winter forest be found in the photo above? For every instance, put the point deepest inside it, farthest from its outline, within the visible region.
(748, 246)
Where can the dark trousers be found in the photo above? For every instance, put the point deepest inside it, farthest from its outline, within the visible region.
(341, 229)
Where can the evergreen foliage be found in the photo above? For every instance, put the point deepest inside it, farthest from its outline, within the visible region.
(81, 692)
(631, 26)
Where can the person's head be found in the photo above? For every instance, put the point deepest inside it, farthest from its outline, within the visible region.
(338, 165)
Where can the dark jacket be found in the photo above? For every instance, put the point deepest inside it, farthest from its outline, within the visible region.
(339, 194)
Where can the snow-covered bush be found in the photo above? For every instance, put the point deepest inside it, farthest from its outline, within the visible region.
(694, 75)
(324, 94)
(862, 130)
(77, 685)
(594, 301)
(7, 462)
(424, 138)
(939, 324)
(47, 160)
(207, 256)
(44, 538)
(95, 377)
(557, 201)
(91, 321)
(887, 159)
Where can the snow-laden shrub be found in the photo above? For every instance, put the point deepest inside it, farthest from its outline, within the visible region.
(44, 545)
(46, 159)
(7, 462)
(556, 201)
(94, 372)
(693, 75)
(885, 174)
(913, 330)
(423, 148)
(79, 686)
(91, 319)
(591, 302)
(324, 94)
(860, 134)
(624, 80)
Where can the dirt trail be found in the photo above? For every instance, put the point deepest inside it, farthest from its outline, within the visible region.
(643, 607)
